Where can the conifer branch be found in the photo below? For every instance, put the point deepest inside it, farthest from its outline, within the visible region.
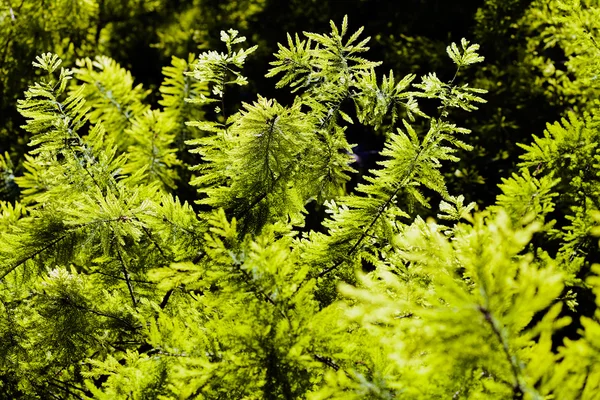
(56, 241)
(87, 153)
(54, 382)
(403, 182)
(120, 278)
(223, 112)
(518, 390)
(292, 165)
(126, 275)
(70, 385)
(263, 165)
(380, 212)
(112, 101)
(176, 226)
(154, 242)
(101, 314)
(32, 255)
(92, 177)
(364, 234)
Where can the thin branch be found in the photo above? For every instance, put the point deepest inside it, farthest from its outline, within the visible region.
(154, 242)
(223, 112)
(112, 101)
(29, 257)
(382, 209)
(518, 390)
(327, 361)
(120, 278)
(55, 241)
(54, 383)
(165, 219)
(126, 275)
(165, 299)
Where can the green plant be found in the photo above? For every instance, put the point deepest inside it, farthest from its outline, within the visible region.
(112, 286)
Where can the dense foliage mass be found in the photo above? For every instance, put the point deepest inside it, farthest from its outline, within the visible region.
(355, 231)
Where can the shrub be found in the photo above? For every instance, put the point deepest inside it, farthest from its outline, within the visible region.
(113, 285)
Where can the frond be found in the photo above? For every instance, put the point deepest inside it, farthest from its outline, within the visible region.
(255, 164)
(376, 103)
(154, 153)
(525, 196)
(218, 70)
(177, 90)
(110, 92)
(51, 117)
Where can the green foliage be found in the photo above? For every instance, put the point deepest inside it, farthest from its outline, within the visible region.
(448, 310)
(113, 286)
(97, 29)
(116, 102)
(562, 190)
(569, 26)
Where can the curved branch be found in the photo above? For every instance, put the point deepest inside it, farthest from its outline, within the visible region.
(32, 255)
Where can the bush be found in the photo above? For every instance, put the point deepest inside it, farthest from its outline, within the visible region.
(252, 267)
